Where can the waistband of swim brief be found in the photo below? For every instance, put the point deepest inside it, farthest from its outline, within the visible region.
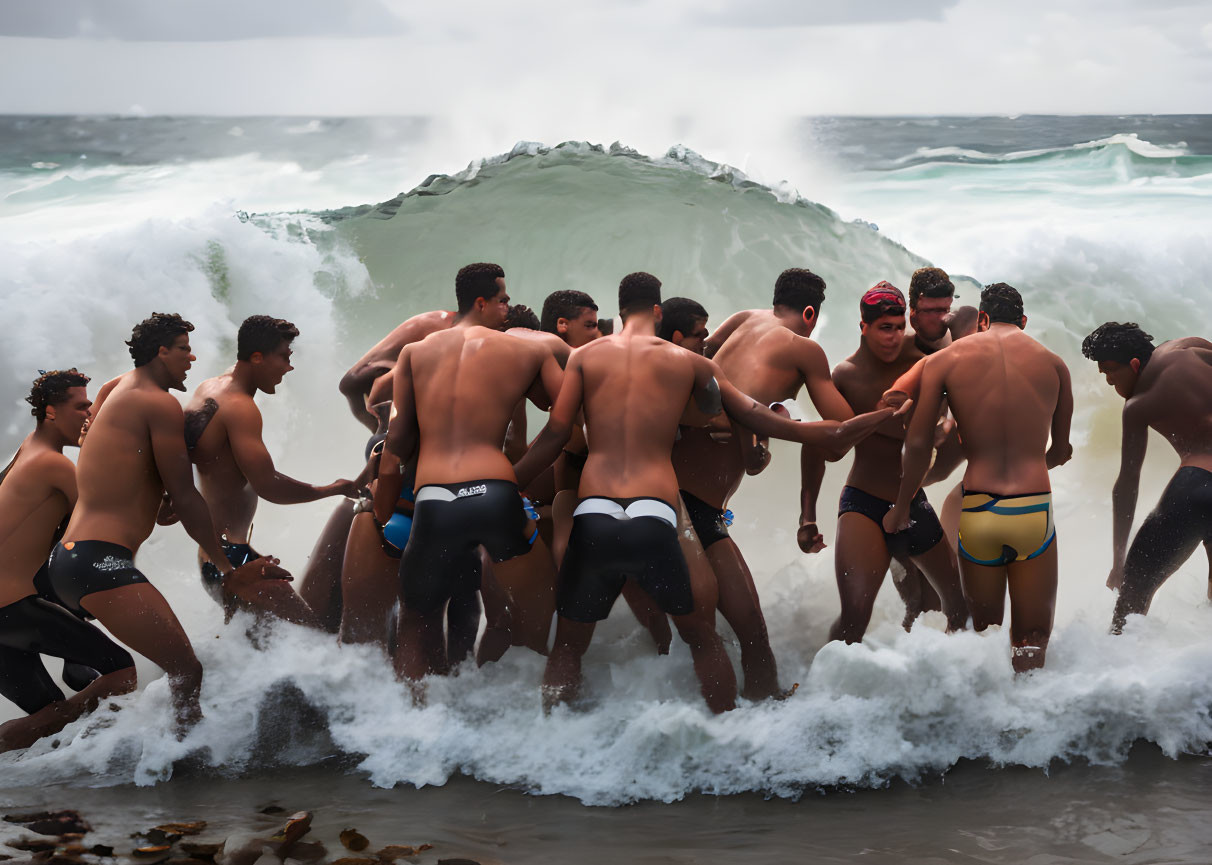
(464, 490)
(97, 548)
(637, 507)
(1020, 503)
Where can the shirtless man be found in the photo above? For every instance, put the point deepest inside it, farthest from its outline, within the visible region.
(863, 550)
(767, 354)
(37, 492)
(223, 434)
(1008, 394)
(1168, 388)
(135, 452)
(634, 388)
(355, 385)
(454, 395)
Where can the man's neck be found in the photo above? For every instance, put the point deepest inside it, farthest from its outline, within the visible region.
(47, 436)
(639, 324)
(791, 320)
(155, 374)
(242, 377)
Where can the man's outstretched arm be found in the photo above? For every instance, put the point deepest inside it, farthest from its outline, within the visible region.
(1133, 447)
(244, 430)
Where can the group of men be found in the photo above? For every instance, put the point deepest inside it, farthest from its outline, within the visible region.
(650, 431)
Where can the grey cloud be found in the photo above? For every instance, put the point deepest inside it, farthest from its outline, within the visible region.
(820, 13)
(195, 20)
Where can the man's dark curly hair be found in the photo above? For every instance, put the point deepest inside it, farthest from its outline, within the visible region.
(567, 303)
(158, 330)
(799, 288)
(475, 281)
(262, 333)
(638, 291)
(1002, 303)
(929, 282)
(1118, 343)
(51, 388)
(678, 314)
(520, 315)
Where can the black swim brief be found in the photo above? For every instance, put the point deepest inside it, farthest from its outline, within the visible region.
(449, 524)
(613, 539)
(34, 626)
(710, 523)
(924, 529)
(212, 578)
(80, 568)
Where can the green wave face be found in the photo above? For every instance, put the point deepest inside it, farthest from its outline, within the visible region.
(576, 216)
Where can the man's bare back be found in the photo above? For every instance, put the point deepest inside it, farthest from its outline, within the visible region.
(381, 358)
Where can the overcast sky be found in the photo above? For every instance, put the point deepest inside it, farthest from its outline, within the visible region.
(501, 63)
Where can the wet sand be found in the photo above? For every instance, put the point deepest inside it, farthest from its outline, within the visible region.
(1151, 809)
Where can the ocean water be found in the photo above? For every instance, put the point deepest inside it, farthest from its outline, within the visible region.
(349, 226)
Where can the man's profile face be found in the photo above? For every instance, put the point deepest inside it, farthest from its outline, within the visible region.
(178, 358)
(580, 330)
(1120, 376)
(884, 336)
(73, 413)
(273, 366)
(930, 318)
(496, 308)
(697, 337)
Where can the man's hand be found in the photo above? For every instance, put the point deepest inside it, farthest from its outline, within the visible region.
(350, 489)
(893, 399)
(1115, 580)
(1059, 454)
(809, 538)
(250, 573)
(166, 516)
(895, 521)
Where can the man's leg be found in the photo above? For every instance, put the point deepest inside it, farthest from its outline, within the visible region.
(370, 585)
(462, 625)
(562, 675)
(915, 590)
(938, 564)
(1166, 539)
(1032, 609)
(860, 561)
(420, 644)
(742, 610)
(320, 583)
(138, 616)
(530, 582)
(717, 679)
(985, 590)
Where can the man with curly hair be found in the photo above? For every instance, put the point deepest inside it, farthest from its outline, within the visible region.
(37, 493)
(223, 431)
(1009, 396)
(134, 453)
(1168, 388)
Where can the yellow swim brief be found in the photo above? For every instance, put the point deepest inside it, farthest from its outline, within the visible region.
(996, 530)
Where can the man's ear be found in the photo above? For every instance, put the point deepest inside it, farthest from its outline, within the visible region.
(982, 321)
(256, 357)
(50, 412)
(809, 315)
(678, 337)
(1022, 325)
(561, 326)
(862, 327)
(656, 312)
(1134, 363)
